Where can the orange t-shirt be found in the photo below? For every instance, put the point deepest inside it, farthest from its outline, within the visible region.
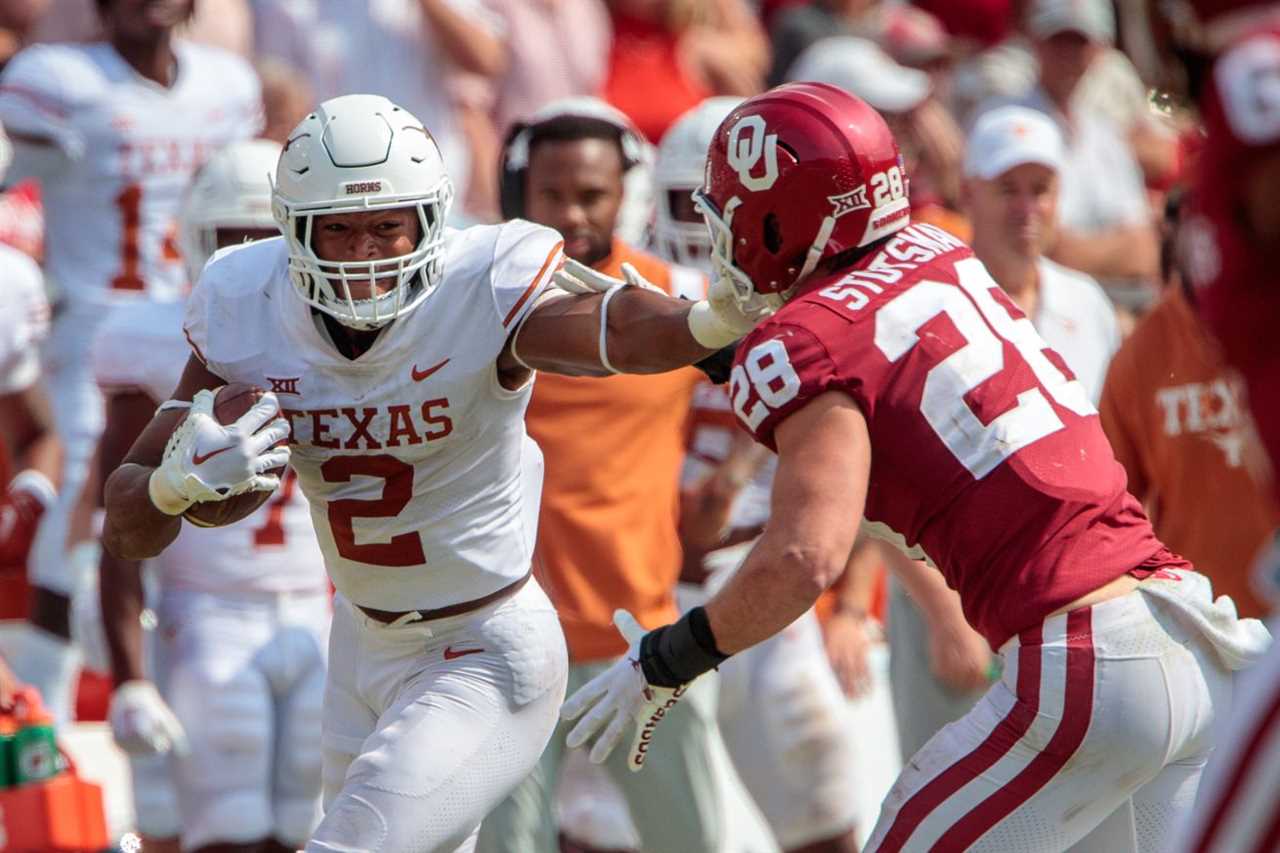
(1177, 422)
(610, 500)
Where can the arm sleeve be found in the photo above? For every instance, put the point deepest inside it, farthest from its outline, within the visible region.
(525, 257)
(33, 101)
(778, 369)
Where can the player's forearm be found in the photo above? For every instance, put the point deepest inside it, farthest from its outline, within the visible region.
(645, 332)
(776, 585)
(649, 333)
(120, 596)
(134, 529)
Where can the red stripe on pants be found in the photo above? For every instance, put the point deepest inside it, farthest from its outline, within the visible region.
(1267, 722)
(1077, 711)
(1002, 739)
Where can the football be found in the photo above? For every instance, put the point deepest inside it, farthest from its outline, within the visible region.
(229, 403)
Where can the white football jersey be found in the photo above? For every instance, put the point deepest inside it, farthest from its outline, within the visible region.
(24, 320)
(130, 147)
(141, 348)
(424, 486)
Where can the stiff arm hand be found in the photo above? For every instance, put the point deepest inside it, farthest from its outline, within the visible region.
(611, 701)
(714, 322)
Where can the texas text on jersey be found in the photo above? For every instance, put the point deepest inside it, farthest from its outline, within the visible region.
(424, 488)
(973, 420)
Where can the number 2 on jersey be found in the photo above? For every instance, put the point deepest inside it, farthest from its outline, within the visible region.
(980, 440)
(403, 549)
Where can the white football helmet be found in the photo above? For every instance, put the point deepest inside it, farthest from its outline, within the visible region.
(682, 157)
(357, 153)
(231, 190)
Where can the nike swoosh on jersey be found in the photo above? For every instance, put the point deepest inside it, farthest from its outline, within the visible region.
(450, 654)
(198, 459)
(419, 375)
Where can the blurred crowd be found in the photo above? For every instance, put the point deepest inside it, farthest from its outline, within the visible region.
(1042, 133)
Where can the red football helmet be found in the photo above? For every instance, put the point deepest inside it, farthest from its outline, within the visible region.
(793, 176)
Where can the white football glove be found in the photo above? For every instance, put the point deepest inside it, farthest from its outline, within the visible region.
(575, 277)
(143, 723)
(715, 322)
(615, 698)
(206, 461)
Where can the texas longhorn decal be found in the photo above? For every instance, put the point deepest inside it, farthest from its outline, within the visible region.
(748, 141)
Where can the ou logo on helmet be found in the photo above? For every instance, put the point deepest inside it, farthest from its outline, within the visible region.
(749, 142)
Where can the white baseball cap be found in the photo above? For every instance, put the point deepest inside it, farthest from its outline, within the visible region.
(1094, 19)
(863, 70)
(1011, 136)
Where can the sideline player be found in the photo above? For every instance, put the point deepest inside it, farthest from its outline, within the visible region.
(403, 353)
(27, 437)
(781, 711)
(243, 611)
(113, 131)
(988, 457)
(1229, 246)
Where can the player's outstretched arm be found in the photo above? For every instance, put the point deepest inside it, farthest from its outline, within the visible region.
(824, 456)
(601, 325)
(135, 529)
(644, 332)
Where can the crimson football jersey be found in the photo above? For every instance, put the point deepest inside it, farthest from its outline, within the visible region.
(1234, 273)
(987, 454)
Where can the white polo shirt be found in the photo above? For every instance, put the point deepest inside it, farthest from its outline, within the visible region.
(1075, 317)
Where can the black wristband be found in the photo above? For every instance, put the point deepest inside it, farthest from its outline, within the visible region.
(678, 653)
(718, 365)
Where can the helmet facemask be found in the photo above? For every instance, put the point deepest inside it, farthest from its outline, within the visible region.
(324, 285)
(723, 269)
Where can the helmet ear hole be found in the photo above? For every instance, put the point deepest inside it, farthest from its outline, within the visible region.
(772, 233)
